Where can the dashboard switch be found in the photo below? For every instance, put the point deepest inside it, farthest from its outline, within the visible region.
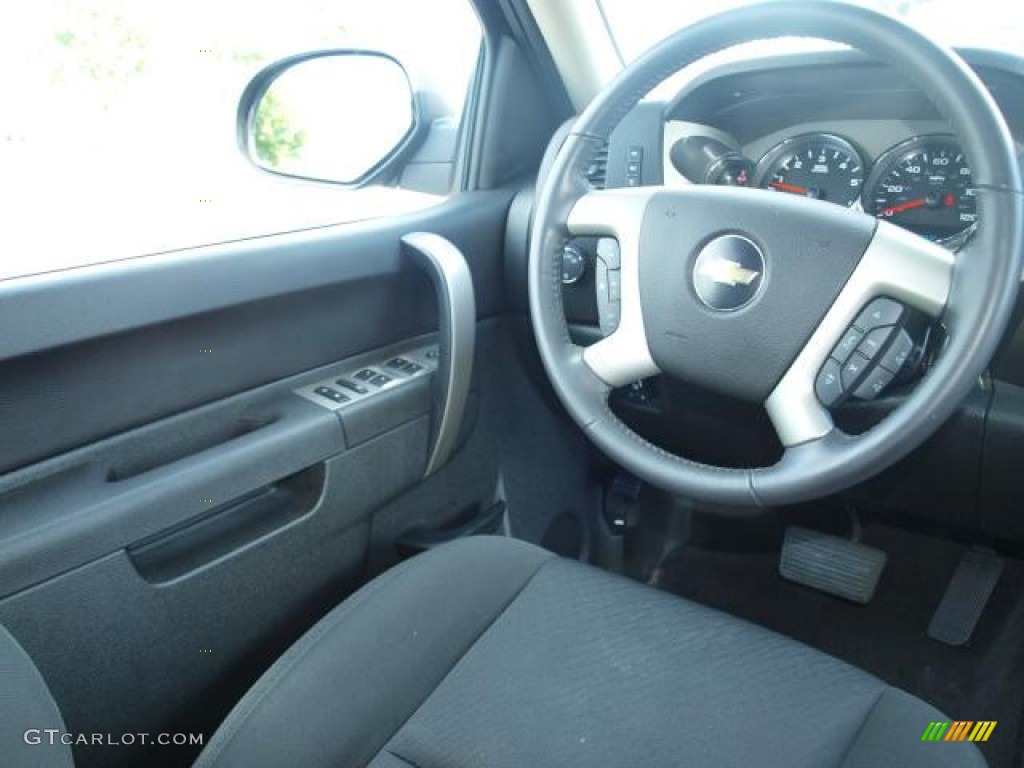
(828, 386)
(878, 313)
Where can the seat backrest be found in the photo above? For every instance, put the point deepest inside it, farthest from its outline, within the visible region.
(27, 712)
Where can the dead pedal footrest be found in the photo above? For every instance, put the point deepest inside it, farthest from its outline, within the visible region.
(838, 566)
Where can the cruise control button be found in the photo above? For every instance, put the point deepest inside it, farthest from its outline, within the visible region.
(878, 313)
(331, 394)
(874, 341)
(876, 380)
(847, 344)
(359, 389)
(608, 252)
(614, 285)
(896, 355)
(853, 370)
(828, 386)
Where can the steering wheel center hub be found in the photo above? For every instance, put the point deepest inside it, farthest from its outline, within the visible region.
(729, 272)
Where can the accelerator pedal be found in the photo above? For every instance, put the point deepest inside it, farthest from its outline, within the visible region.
(966, 597)
(838, 566)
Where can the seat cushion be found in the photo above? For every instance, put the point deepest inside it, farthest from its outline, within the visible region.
(492, 652)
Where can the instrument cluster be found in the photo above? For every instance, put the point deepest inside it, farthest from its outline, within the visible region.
(922, 184)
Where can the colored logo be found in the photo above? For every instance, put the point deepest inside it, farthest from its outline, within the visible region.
(728, 273)
(959, 730)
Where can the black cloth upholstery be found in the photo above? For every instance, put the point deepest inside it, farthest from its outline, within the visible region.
(491, 652)
(26, 705)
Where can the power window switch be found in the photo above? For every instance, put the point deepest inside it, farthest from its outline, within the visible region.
(397, 363)
(380, 380)
(412, 368)
(331, 394)
(359, 389)
(365, 375)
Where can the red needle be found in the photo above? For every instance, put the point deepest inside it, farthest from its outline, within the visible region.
(789, 188)
(903, 207)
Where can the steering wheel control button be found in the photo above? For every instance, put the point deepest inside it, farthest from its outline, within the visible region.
(847, 344)
(614, 286)
(574, 264)
(898, 353)
(828, 386)
(872, 385)
(728, 273)
(875, 341)
(331, 394)
(878, 313)
(853, 370)
(608, 252)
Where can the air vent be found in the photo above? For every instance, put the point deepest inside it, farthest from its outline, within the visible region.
(597, 173)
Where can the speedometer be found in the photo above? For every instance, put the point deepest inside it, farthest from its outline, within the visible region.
(816, 165)
(924, 185)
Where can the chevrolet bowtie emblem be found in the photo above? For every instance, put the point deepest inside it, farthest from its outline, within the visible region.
(727, 272)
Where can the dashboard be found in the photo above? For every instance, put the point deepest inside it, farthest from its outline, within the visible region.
(833, 126)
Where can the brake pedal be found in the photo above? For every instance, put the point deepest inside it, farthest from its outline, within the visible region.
(966, 597)
(830, 564)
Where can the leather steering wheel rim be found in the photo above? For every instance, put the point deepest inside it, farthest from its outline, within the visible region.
(973, 294)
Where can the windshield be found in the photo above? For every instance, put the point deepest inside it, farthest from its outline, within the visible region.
(994, 24)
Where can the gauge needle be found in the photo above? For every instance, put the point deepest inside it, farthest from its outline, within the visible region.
(903, 207)
(789, 188)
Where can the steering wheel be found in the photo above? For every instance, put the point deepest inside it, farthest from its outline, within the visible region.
(747, 293)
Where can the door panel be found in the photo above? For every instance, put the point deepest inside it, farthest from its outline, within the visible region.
(172, 518)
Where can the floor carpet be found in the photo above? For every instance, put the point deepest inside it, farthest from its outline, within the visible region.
(981, 681)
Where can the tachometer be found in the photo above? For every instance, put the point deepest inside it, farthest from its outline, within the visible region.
(924, 185)
(817, 165)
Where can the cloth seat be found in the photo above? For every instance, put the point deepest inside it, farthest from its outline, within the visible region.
(493, 653)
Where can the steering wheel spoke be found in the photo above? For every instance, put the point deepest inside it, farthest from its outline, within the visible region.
(897, 265)
(624, 355)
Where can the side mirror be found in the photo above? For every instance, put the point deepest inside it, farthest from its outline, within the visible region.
(340, 116)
